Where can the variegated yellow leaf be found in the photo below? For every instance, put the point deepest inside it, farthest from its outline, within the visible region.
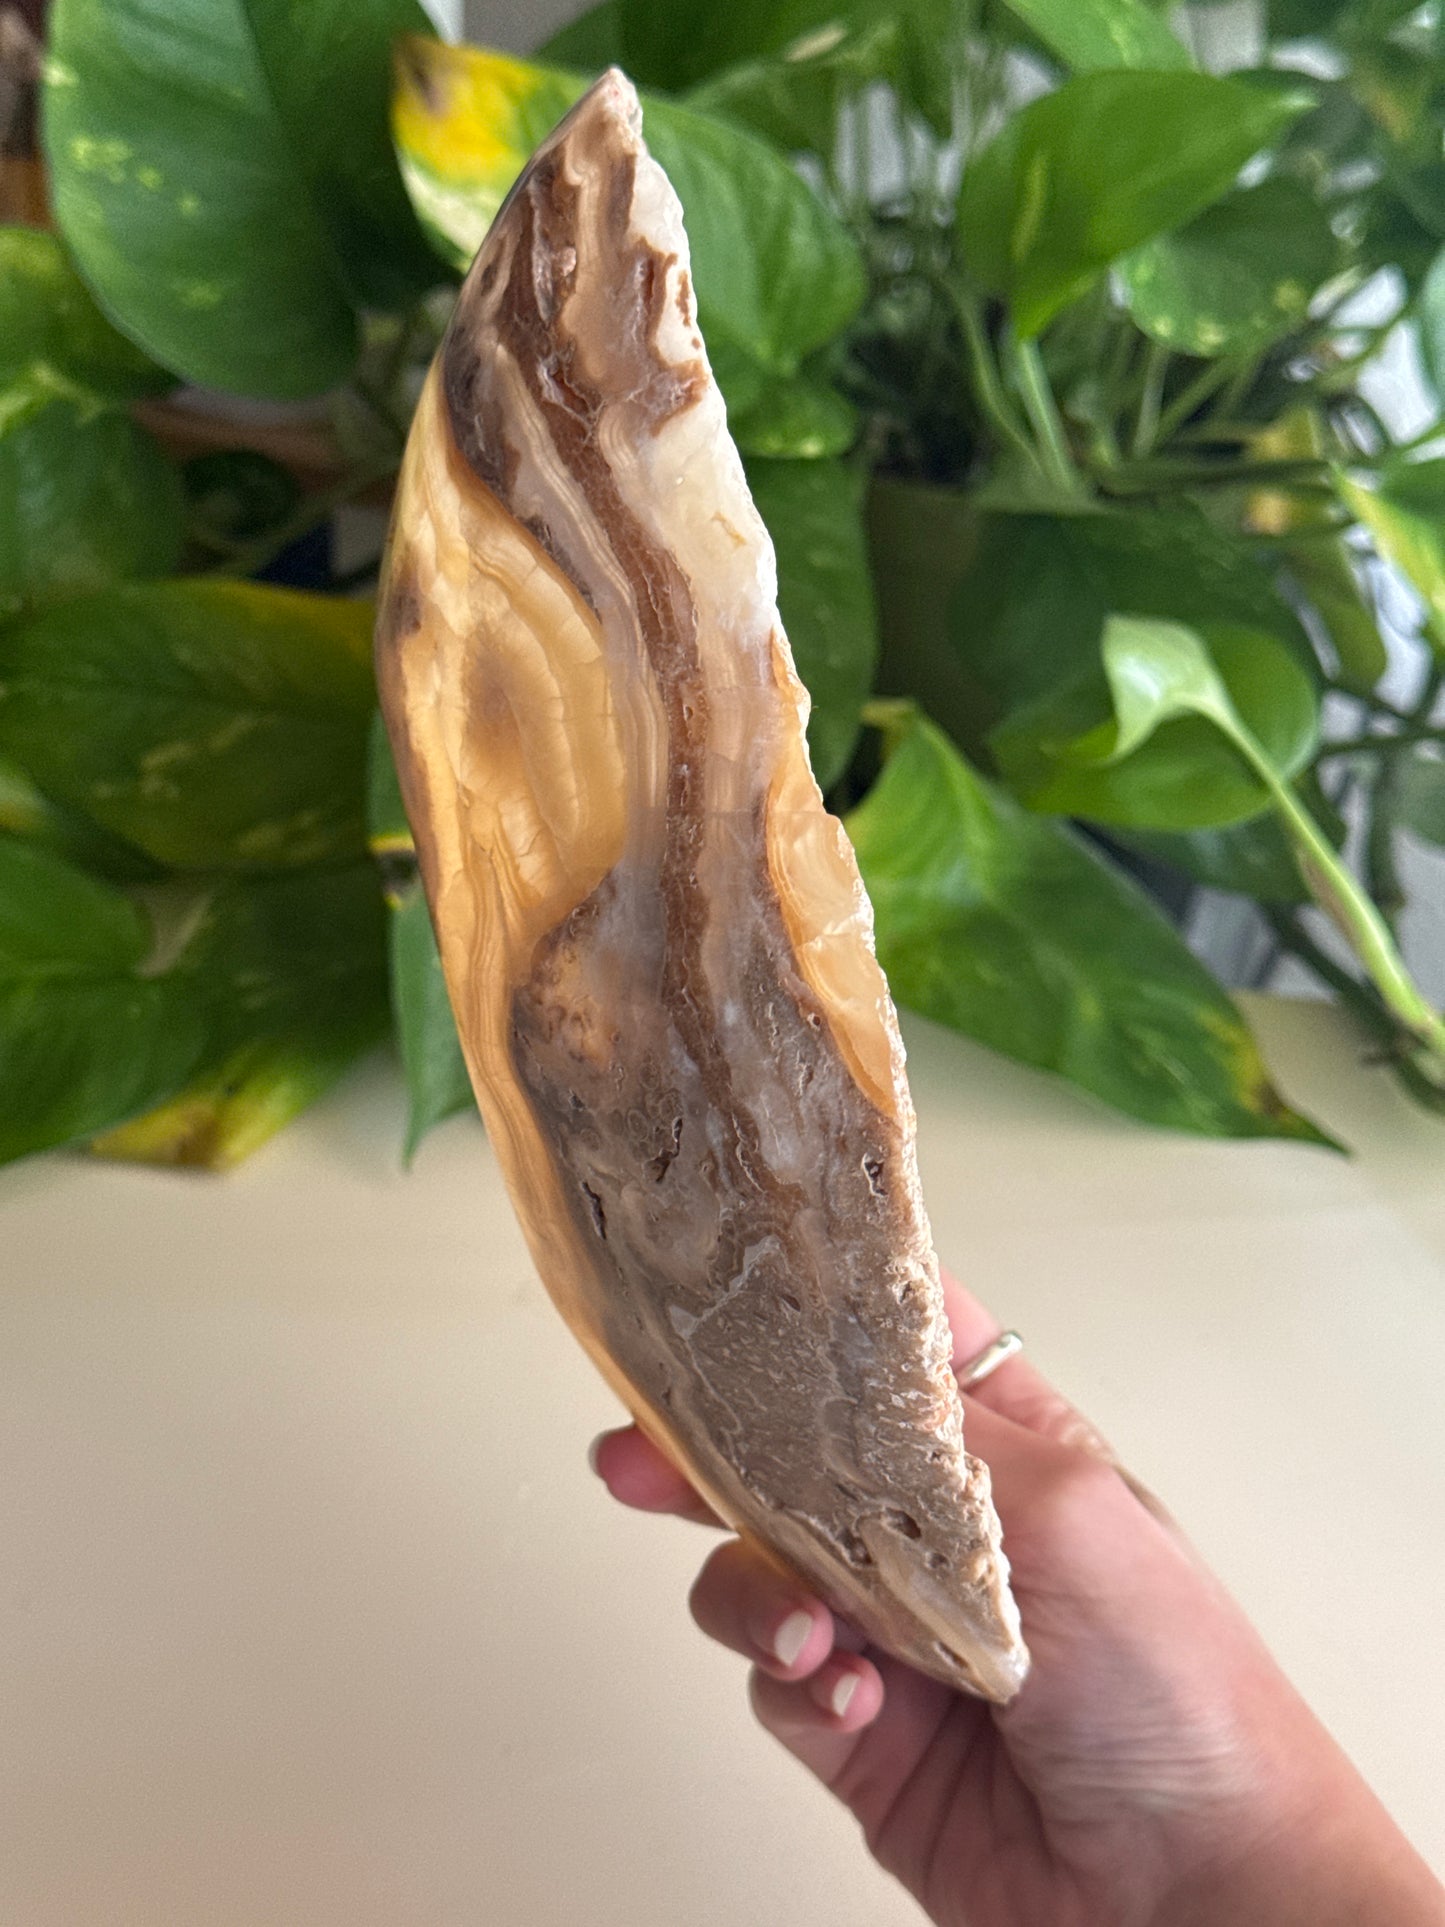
(465, 120)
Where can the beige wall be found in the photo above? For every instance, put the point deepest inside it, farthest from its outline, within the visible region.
(516, 24)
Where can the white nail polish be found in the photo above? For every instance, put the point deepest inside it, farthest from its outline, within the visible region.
(843, 1691)
(791, 1637)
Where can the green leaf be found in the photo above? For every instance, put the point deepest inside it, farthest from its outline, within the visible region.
(86, 498)
(793, 94)
(437, 1082)
(1090, 35)
(1302, 19)
(24, 812)
(589, 43)
(52, 332)
(328, 69)
(1020, 602)
(1065, 756)
(87, 1037)
(215, 725)
(923, 543)
(1326, 575)
(793, 97)
(465, 120)
(388, 833)
(236, 1104)
(1158, 671)
(1254, 859)
(436, 1072)
(28, 814)
(237, 495)
(1405, 514)
(278, 949)
(1236, 278)
(1161, 670)
(289, 975)
(1430, 321)
(1251, 859)
(1399, 85)
(1083, 175)
(1003, 926)
(1422, 796)
(674, 46)
(221, 173)
(794, 417)
(1079, 569)
(814, 513)
(1402, 220)
(777, 275)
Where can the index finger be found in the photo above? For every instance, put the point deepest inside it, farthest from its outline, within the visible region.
(638, 1474)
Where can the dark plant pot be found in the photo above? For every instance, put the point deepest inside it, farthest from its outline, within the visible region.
(922, 539)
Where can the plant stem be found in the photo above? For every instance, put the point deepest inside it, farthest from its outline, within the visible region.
(988, 388)
(1423, 707)
(1386, 746)
(1193, 395)
(1382, 877)
(1117, 374)
(1374, 700)
(1371, 340)
(1146, 428)
(1158, 472)
(1296, 538)
(309, 514)
(1325, 320)
(1359, 999)
(1358, 920)
(1043, 413)
(1415, 723)
(1238, 387)
(1433, 433)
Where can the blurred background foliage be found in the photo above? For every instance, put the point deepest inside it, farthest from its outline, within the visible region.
(1055, 359)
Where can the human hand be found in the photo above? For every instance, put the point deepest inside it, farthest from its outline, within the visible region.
(1156, 1767)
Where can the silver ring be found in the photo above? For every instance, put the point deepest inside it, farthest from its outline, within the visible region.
(985, 1363)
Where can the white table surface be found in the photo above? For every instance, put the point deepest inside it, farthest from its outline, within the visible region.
(311, 1614)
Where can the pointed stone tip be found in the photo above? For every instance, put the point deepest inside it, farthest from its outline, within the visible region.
(614, 95)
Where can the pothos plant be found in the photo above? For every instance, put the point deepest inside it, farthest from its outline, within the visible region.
(1050, 358)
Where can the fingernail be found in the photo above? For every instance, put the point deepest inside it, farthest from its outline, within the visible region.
(837, 1698)
(791, 1637)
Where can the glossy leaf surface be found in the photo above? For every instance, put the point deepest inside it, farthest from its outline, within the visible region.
(814, 512)
(87, 1036)
(86, 498)
(288, 974)
(1236, 278)
(215, 725)
(228, 196)
(1081, 176)
(1005, 927)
